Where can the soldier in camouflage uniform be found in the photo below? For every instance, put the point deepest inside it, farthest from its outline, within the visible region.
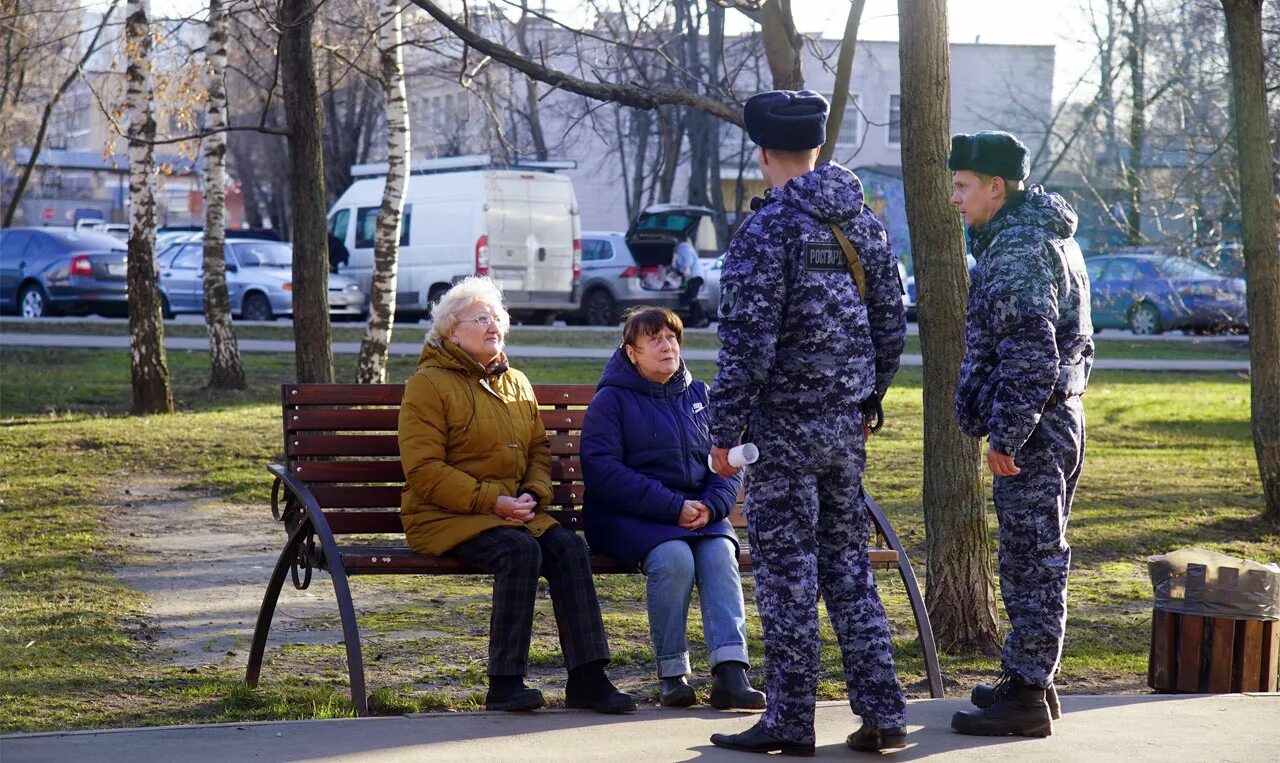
(1028, 353)
(802, 354)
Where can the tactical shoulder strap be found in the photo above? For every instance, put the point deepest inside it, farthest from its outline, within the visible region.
(853, 260)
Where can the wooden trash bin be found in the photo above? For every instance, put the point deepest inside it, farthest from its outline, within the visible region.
(1212, 655)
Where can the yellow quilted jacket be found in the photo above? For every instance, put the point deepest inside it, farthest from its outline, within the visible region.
(465, 439)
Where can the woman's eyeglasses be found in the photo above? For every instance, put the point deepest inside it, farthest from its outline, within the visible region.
(485, 321)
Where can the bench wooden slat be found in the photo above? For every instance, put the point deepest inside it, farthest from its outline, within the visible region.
(396, 560)
(565, 445)
(347, 471)
(364, 522)
(569, 469)
(343, 445)
(357, 497)
(343, 394)
(346, 420)
(560, 421)
(564, 394)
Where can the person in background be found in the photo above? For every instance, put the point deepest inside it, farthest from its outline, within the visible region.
(652, 504)
(686, 262)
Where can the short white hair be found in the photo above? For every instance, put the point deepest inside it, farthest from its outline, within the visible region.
(464, 294)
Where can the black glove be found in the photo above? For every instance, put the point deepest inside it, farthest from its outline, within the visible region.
(873, 413)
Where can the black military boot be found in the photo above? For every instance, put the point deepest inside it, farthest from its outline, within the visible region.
(872, 739)
(984, 694)
(508, 693)
(756, 739)
(676, 692)
(730, 688)
(590, 689)
(1019, 709)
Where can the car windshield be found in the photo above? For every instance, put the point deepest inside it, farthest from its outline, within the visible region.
(264, 254)
(1177, 267)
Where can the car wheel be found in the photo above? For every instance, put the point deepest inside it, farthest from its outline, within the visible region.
(600, 309)
(1144, 319)
(32, 302)
(166, 312)
(256, 308)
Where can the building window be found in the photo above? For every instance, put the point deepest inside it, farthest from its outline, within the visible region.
(851, 124)
(895, 120)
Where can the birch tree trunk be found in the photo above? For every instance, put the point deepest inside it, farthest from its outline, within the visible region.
(1261, 258)
(148, 362)
(226, 371)
(375, 347)
(959, 595)
(312, 334)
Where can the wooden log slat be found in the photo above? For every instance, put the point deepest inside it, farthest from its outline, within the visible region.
(347, 471)
(343, 445)
(357, 497)
(567, 469)
(1162, 665)
(1222, 632)
(1190, 640)
(1251, 656)
(342, 420)
(364, 522)
(560, 421)
(1271, 656)
(343, 394)
(564, 394)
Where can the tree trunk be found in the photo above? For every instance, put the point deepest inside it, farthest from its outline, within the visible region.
(148, 362)
(960, 596)
(531, 87)
(840, 91)
(375, 348)
(226, 372)
(311, 331)
(21, 187)
(1262, 263)
(1135, 58)
(783, 45)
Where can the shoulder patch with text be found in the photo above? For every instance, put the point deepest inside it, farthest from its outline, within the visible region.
(824, 255)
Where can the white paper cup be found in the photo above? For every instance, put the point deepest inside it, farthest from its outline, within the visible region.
(740, 455)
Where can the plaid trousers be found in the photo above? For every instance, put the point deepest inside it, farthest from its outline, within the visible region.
(516, 559)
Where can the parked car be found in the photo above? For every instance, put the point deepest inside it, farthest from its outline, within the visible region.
(1153, 293)
(909, 286)
(625, 270)
(46, 271)
(259, 281)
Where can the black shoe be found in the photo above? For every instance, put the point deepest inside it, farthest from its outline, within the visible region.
(1019, 709)
(756, 739)
(676, 692)
(732, 689)
(871, 739)
(509, 694)
(590, 689)
(985, 694)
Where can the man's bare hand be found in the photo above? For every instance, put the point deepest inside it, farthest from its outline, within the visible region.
(1002, 465)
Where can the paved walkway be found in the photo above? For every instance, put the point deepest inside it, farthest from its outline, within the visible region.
(521, 351)
(1126, 728)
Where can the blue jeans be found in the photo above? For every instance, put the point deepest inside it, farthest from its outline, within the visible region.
(671, 569)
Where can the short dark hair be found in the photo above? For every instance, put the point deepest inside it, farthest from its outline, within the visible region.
(649, 321)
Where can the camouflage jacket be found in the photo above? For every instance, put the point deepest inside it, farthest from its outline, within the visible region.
(797, 341)
(1028, 332)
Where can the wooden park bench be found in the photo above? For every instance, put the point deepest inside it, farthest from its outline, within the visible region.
(338, 496)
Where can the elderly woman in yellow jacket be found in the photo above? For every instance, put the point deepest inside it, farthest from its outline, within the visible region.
(478, 478)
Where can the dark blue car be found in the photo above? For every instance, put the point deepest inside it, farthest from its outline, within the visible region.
(1153, 293)
(46, 271)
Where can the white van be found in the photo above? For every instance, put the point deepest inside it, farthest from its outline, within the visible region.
(522, 228)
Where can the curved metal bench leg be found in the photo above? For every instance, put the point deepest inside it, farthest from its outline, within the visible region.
(268, 610)
(351, 635)
(918, 609)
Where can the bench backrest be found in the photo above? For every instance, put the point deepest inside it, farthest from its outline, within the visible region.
(340, 439)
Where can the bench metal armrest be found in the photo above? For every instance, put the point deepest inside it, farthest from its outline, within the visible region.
(313, 520)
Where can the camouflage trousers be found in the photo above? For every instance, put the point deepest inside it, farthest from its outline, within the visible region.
(808, 534)
(1032, 509)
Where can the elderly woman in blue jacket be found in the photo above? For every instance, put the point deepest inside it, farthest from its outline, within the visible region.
(652, 504)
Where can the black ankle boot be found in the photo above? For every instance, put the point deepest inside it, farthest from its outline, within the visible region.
(871, 739)
(985, 694)
(730, 688)
(590, 689)
(508, 693)
(756, 739)
(676, 692)
(1019, 709)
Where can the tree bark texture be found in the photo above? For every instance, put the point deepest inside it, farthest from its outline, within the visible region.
(226, 371)
(311, 330)
(844, 69)
(531, 88)
(21, 187)
(959, 594)
(376, 345)
(783, 45)
(1262, 261)
(148, 362)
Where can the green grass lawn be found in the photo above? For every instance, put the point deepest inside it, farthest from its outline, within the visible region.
(1169, 465)
(1110, 344)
